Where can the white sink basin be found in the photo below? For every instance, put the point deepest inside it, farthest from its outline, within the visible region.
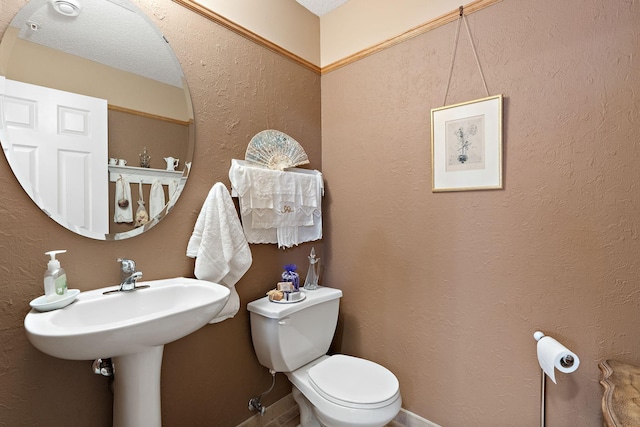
(98, 326)
(132, 328)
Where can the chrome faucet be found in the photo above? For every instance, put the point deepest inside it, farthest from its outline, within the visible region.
(127, 268)
(128, 274)
(128, 277)
(129, 284)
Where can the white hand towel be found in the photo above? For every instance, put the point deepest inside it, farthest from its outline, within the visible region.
(123, 192)
(156, 199)
(220, 247)
(174, 192)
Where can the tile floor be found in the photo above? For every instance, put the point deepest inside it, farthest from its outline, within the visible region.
(284, 413)
(292, 419)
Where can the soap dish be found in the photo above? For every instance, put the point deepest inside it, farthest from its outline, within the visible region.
(298, 298)
(41, 303)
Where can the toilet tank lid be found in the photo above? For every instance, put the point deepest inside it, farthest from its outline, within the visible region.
(275, 310)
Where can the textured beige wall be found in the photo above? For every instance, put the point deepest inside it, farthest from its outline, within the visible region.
(360, 24)
(447, 289)
(283, 22)
(238, 89)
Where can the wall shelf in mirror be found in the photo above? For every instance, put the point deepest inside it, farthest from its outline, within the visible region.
(136, 175)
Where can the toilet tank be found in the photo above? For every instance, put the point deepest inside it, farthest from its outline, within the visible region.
(287, 336)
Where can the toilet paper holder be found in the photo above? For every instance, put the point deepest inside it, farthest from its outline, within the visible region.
(567, 363)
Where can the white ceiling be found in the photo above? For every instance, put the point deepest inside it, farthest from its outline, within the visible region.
(134, 44)
(321, 7)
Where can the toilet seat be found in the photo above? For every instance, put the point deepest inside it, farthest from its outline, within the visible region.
(353, 382)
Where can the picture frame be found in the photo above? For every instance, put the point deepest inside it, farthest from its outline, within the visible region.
(466, 146)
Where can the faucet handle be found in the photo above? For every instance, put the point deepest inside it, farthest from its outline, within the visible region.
(128, 265)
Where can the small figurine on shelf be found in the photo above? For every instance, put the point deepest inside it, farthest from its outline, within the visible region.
(311, 282)
(289, 275)
(145, 158)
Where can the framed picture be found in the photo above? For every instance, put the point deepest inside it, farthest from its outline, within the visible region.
(466, 145)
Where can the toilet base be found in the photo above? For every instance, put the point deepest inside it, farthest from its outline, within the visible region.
(307, 418)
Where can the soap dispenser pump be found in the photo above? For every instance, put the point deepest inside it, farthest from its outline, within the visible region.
(55, 278)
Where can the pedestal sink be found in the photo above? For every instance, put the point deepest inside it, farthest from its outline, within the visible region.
(132, 328)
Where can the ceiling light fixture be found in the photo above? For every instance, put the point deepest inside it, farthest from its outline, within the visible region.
(66, 7)
(33, 26)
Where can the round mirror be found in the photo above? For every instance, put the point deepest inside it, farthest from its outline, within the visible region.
(96, 119)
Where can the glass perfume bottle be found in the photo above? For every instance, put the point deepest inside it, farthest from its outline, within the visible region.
(145, 158)
(311, 282)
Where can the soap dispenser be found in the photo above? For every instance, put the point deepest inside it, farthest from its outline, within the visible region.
(55, 278)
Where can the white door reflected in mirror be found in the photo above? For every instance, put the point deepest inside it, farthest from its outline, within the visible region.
(62, 143)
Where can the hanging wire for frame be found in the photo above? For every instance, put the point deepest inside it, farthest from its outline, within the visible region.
(462, 17)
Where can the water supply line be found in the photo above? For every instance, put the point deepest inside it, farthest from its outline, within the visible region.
(255, 403)
(103, 367)
(106, 368)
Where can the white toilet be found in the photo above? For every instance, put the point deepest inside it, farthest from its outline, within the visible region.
(331, 391)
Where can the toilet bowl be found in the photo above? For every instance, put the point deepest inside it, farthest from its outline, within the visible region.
(345, 391)
(331, 391)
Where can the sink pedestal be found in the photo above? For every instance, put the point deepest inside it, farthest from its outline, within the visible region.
(136, 394)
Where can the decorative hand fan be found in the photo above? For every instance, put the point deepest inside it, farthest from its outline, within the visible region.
(275, 150)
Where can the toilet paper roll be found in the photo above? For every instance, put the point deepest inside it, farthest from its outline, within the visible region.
(553, 355)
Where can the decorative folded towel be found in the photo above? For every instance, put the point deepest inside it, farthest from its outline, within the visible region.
(256, 235)
(293, 236)
(286, 215)
(156, 199)
(123, 208)
(263, 188)
(219, 246)
(282, 207)
(174, 192)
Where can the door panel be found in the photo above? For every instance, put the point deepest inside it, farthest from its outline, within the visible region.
(62, 156)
